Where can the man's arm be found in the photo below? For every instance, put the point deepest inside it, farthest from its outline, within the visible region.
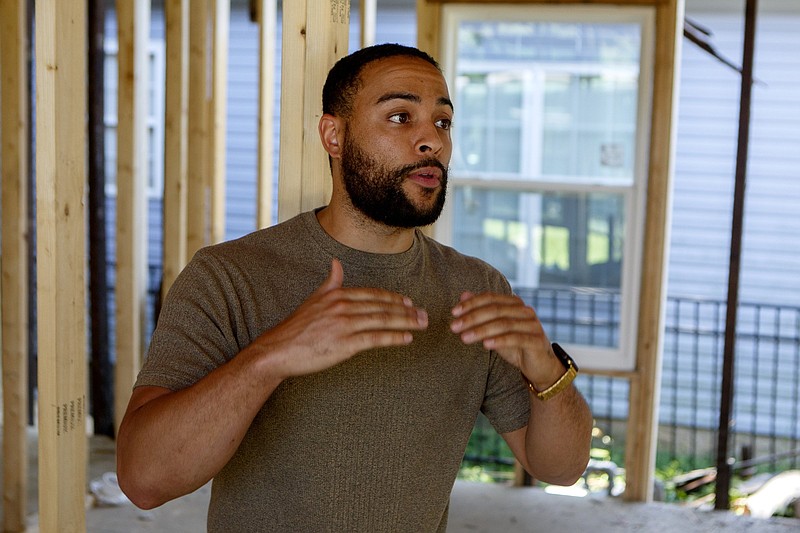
(171, 443)
(554, 446)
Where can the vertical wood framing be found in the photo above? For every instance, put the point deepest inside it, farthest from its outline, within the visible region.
(175, 140)
(645, 385)
(305, 181)
(368, 16)
(61, 262)
(14, 129)
(220, 23)
(133, 22)
(198, 164)
(266, 113)
(429, 28)
(291, 115)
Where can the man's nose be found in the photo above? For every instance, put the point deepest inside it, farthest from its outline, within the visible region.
(429, 139)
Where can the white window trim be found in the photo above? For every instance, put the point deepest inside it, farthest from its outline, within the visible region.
(155, 121)
(622, 357)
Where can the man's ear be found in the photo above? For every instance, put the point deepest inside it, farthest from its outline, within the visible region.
(331, 130)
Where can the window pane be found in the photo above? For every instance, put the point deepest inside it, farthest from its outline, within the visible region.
(566, 245)
(589, 126)
(554, 101)
(489, 127)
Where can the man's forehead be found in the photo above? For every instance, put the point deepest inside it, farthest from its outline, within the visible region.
(406, 78)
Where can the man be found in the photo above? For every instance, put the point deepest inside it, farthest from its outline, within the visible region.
(327, 372)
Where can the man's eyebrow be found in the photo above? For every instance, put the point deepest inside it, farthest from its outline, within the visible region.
(411, 97)
(399, 96)
(445, 101)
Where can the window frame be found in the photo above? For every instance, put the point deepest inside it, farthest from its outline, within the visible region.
(155, 119)
(623, 356)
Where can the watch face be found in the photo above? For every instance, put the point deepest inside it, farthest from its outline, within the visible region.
(564, 357)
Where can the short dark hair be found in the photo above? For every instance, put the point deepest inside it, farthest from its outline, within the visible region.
(344, 81)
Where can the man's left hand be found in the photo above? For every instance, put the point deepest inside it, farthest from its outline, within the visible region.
(505, 324)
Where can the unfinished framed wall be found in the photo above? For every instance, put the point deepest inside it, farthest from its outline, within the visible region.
(315, 35)
(14, 154)
(643, 373)
(61, 30)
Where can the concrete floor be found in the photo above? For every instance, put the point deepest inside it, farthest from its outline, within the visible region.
(475, 508)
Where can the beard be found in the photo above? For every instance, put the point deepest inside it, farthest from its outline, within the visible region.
(376, 190)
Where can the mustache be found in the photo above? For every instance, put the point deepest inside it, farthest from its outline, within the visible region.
(427, 162)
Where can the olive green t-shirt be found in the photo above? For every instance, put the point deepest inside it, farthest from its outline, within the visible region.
(373, 444)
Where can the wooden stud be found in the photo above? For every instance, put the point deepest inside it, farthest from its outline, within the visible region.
(133, 23)
(429, 27)
(198, 163)
(368, 22)
(14, 130)
(268, 20)
(304, 181)
(61, 93)
(291, 127)
(175, 141)
(644, 391)
(220, 22)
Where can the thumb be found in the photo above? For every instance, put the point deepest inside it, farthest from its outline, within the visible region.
(334, 279)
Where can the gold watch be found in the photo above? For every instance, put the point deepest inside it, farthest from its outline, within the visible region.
(564, 381)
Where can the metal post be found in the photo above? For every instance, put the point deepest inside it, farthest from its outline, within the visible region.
(724, 464)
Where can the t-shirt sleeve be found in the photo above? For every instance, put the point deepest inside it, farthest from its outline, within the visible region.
(506, 404)
(195, 330)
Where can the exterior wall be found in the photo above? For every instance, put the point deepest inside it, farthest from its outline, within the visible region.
(706, 154)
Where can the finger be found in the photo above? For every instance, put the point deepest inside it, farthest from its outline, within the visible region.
(389, 318)
(497, 328)
(335, 278)
(482, 309)
(368, 340)
(469, 301)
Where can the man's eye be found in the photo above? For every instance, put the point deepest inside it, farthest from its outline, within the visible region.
(444, 123)
(399, 118)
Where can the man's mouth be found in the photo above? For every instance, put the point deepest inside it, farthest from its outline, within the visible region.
(428, 177)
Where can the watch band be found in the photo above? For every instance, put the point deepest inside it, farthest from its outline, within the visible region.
(563, 382)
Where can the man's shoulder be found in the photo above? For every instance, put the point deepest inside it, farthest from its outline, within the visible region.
(277, 235)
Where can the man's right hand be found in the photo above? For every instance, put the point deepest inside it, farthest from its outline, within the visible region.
(335, 323)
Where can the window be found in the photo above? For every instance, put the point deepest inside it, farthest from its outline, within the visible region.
(548, 170)
(155, 117)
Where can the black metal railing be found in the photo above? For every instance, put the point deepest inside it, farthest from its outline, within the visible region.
(766, 430)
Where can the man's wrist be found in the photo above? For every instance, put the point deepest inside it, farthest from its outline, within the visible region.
(569, 370)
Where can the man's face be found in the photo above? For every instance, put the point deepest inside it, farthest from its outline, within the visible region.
(376, 188)
(397, 144)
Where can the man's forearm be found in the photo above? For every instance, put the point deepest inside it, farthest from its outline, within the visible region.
(558, 438)
(172, 443)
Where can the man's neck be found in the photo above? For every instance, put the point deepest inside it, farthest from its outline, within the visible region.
(352, 228)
